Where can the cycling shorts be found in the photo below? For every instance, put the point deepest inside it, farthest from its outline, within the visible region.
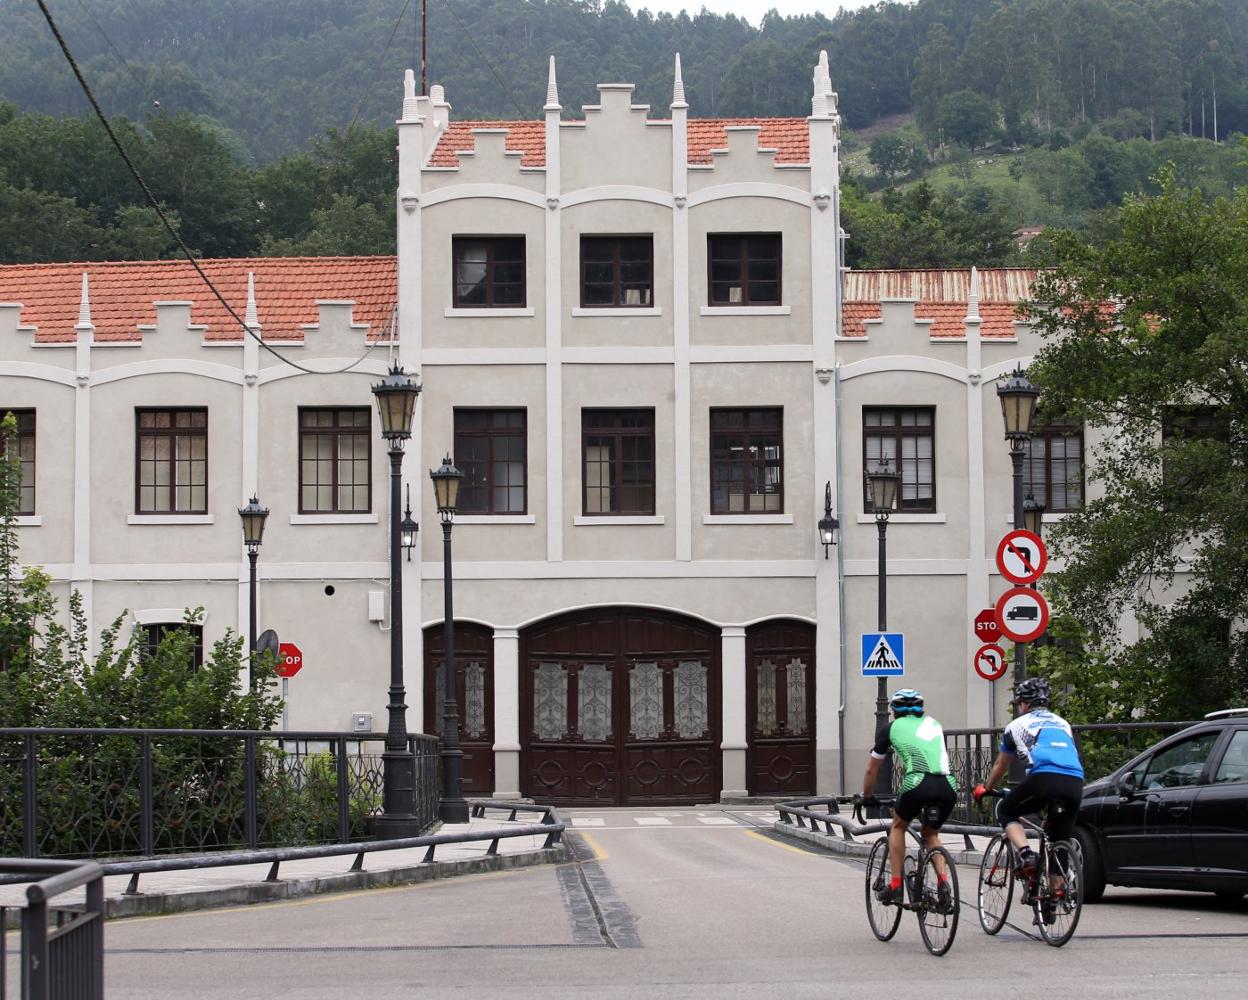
(1035, 792)
(934, 789)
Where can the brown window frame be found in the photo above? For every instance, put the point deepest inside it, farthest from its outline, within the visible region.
(746, 433)
(173, 431)
(155, 632)
(617, 280)
(743, 274)
(26, 429)
(336, 432)
(1045, 481)
(899, 432)
(492, 244)
(490, 433)
(619, 434)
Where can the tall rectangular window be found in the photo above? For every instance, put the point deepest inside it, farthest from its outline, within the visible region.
(490, 450)
(744, 269)
(26, 452)
(618, 461)
(172, 450)
(335, 469)
(747, 461)
(1053, 468)
(489, 271)
(1200, 422)
(617, 271)
(903, 436)
(158, 631)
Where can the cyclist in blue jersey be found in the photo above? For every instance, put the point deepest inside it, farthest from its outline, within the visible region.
(1054, 771)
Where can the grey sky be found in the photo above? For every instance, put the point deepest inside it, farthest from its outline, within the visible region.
(751, 10)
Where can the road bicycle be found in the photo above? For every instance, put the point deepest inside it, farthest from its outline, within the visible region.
(920, 878)
(1054, 891)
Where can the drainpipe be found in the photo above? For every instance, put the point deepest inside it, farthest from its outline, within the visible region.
(840, 575)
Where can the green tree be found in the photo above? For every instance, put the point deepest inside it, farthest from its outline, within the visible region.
(968, 118)
(1166, 541)
(898, 152)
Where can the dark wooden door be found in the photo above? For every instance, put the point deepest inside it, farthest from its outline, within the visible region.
(780, 708)
(621, 707)
(474, 695)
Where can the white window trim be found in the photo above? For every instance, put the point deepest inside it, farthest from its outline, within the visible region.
(165, 616)
(617, 312)
(333, 518)
(747, 518)
(504, 311)
(169, 519)
(746, 310)
(496, 519)
(899, 518)
(616, 520)
(28, 520)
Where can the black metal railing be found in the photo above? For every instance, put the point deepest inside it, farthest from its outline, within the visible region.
(152, 792)
(62, 948)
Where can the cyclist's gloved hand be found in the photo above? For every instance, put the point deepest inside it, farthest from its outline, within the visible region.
(980, 791)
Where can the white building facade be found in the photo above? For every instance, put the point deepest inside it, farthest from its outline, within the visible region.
(636, 339)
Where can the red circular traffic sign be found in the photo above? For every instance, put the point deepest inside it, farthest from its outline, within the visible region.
(985, 627)
(289, 660)
(1022, 614)
(1021, 556)
(989, 662)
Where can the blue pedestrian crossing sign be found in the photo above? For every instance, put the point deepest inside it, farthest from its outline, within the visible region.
(883, 654)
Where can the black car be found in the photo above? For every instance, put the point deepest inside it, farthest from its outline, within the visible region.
(1175, 817)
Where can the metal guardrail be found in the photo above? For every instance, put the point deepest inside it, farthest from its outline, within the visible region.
(798, 812)
(150, 792)
(62, 948)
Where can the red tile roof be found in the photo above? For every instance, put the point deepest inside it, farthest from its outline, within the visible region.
(123, 294)
(789, 136)
(940, 296)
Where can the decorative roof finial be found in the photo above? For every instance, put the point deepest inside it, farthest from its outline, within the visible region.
(252, 319)
(972, 296)
(411, 107)
(84, 304)
(678, 87)
(552, 88)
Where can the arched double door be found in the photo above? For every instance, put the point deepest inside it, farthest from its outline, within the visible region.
(780, 708)
(474, 695)
(620, 707)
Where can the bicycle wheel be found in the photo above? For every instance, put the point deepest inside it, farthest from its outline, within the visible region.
(938, 912)
(1059, 893)
(996, 884)
(883, 917)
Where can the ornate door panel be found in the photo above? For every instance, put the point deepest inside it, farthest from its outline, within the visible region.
(780, 708)
(621, 708)
(474, 695)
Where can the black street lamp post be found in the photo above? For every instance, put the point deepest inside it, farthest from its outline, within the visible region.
(396, 404)
(446, 479)
(882, 484)
(1018, 408)
(253, 516)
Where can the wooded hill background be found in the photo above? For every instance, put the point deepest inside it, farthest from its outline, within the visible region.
(264, 125)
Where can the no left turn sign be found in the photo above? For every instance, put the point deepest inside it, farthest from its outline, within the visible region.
(989, 662)
(1021, 556)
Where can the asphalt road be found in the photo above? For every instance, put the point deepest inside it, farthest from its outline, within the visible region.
(702, 905)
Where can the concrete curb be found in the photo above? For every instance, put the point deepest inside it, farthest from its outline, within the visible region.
(150, 904)
(854, 848)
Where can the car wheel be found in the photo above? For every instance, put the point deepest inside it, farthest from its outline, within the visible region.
(1093, 868)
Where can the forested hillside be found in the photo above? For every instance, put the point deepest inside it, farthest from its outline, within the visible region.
(278, 72)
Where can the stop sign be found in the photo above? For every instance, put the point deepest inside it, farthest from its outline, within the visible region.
(986, 628)
(289, 660)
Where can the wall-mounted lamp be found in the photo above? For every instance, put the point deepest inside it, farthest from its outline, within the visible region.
(408, 528)
(827, 524)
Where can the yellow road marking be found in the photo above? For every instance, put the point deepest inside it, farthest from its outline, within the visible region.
(776, 843)
(593, 845)
(322, 897)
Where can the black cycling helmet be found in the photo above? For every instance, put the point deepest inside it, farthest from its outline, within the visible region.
(1034, 691)
(906, 701)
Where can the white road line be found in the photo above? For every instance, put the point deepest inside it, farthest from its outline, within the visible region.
(718, 821)
(587, 821)
(652, 821)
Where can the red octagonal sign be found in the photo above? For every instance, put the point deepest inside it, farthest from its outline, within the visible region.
(289, 660)
(986, 628)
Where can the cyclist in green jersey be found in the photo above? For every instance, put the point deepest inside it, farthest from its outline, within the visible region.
(919, 741)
